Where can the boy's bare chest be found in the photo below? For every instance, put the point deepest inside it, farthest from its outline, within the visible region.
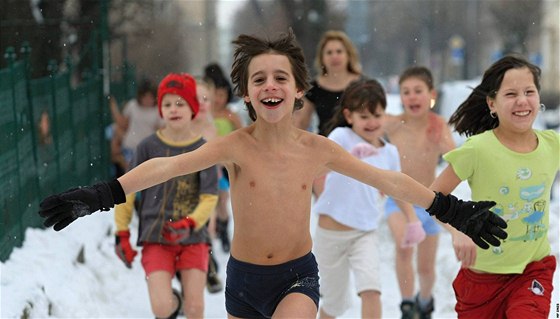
(413, 142)
(418, 155)
(277, 170)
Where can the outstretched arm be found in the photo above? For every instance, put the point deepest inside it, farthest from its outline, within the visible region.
(62, 209)
(392, 183)
(158, 170)
(472, 218)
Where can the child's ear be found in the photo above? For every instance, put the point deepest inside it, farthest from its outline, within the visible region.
(346, 113)
(433, 99)
(490, 103)
(299, 94)
(246, 99)
(433, 94)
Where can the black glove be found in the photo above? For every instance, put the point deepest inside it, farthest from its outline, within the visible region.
(472, 218)
(62, 209)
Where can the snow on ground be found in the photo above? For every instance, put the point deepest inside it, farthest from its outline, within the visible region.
(45, 278)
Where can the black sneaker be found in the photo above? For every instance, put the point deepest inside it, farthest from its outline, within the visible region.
(425, 312)
(408, 309)
(213, 282)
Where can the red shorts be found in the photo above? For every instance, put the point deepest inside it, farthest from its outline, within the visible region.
(496, 296)
(172, 258)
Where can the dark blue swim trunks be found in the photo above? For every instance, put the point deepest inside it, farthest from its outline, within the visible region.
(254, 291)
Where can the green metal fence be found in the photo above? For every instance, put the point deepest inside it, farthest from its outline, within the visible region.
(52, 138)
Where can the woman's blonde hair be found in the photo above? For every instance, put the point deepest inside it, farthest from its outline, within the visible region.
(353, 58)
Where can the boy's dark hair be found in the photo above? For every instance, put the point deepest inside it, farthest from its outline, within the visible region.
(247, 47)
(214, 73)
(144, 87)
(473, 116)
(420, 72)
(359, 95)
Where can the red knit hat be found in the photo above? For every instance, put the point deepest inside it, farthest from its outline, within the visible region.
(183, 85)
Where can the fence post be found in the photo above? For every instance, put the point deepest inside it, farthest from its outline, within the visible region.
(53, 68)
(12, 236)
(25, 51)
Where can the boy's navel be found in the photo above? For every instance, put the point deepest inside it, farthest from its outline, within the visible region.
(252, 184)
(304, 186)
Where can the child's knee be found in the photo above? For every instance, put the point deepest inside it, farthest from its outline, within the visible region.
(165, 307)
(162, 310)
(404, 253)
(371, 295)
(194, 309)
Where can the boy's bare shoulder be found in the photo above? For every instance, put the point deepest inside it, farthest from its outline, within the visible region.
(438, 117)
(309, 139)
(241, 135)
(319, 148)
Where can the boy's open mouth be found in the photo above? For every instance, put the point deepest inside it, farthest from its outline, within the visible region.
(414, 107)
(271, 102)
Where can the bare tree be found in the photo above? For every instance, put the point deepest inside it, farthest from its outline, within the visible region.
(308, 19)
(516, 20)
(407, 32)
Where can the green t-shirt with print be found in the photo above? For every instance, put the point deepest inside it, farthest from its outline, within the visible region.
(520, 184)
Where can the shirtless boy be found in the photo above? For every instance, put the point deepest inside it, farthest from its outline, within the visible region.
(421, 137)
(272, 165)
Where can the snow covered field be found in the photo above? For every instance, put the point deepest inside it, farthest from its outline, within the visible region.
(45, 279)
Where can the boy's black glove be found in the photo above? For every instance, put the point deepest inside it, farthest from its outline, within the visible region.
(472, 218)
(62, 209)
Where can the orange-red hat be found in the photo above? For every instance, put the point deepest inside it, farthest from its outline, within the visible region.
(182, 84)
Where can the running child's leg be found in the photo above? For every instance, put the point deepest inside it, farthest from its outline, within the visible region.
(403, 256)
(164, 303)
(194, 283)
(296, 305)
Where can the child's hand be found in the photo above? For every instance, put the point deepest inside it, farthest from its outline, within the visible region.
(362, 150)
(472, 218)
(414, 234)
(465, 249)
(62, 209)
(177, 231)
(123, 249)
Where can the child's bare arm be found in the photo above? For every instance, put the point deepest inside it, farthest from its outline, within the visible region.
(392, 183)
(116, 114)
(408, 211)
(446, 181)
(158, 170)
(60, 210)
